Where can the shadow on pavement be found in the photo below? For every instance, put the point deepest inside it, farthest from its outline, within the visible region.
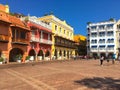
(106, 83)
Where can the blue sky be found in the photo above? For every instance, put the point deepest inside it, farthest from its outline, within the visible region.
(76, 12)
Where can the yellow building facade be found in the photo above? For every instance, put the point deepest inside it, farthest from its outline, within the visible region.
(79, 37)
(4, 8)
(62, 38)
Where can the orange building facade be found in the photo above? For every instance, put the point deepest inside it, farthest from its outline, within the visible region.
(14, 37)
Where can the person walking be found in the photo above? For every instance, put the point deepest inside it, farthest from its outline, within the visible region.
(113, 59)
(101, 60)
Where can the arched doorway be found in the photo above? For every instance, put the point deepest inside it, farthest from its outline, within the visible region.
(71, 53)
(47, 55)
(13, 53)
(64, 53)
(32, 54)
(40, 55)
(60, 53)
(55, 54)
(76, 52)
(67, 54)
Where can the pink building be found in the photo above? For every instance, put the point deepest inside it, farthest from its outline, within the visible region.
(40, 39)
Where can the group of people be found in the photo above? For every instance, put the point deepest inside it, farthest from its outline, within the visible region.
(110, 58)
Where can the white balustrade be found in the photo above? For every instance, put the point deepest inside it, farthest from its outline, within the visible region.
(33, 38)
(36, 21)
(58, 20)
(45, 41)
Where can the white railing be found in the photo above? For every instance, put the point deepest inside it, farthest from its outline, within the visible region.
(45, 41)
(36, 21)
(102, 23)
(34, 39)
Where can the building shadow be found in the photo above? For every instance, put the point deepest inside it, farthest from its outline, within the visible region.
(106, 83)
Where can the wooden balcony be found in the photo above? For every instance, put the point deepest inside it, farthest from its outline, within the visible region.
(20, 41)
(4, 38)
(67, 45)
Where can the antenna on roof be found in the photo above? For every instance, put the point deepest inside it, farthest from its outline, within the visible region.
(28, 15)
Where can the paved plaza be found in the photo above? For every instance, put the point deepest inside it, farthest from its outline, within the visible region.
(63, 75)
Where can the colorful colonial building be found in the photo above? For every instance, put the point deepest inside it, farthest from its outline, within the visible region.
(40, 38)
(80, 42)
(13, 36)
(62, 38)
(79, 37)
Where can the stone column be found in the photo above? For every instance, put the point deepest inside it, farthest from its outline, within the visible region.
(43, 56)
(41, 36)
(69, 55)
(99, 54)
(58, 54)
(36, 59)
(24, 57)
(62, 56)
(65, 54)
(106, 55)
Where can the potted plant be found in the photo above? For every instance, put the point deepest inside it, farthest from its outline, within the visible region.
(19, 57)
(27, 59)
(1, 60)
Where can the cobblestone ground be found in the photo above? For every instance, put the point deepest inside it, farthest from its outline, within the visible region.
(69, 75)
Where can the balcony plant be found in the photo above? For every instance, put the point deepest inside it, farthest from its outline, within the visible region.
(27, 59)
(1, 60)
(19, 57)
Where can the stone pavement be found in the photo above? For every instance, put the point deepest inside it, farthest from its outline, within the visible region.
(65, 75)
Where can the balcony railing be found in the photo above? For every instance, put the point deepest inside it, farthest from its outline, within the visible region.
(45, 41)
(35, 20)
(34, 39)
(20, 41)
(65, 45)
(4, 38)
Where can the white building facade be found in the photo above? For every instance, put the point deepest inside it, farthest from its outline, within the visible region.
(103, 39)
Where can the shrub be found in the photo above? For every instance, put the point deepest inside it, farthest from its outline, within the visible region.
(27, 57)
(1, 59)
(19, 56)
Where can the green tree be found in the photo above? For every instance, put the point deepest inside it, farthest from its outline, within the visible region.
(111, 19)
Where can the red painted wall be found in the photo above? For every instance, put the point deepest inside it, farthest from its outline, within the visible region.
(38, 46)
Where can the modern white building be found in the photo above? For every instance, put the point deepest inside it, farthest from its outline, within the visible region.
(103, 38)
